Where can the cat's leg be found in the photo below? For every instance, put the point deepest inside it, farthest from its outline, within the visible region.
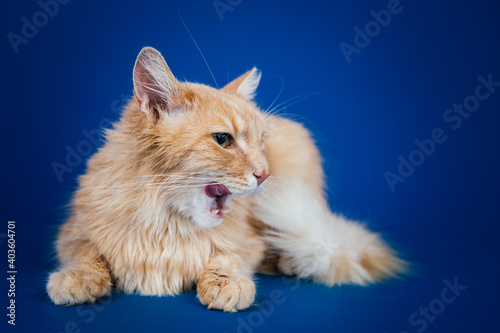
(83, 276)
(226, 284)
(311, 241)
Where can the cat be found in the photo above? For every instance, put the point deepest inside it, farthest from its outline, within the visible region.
(197, 187)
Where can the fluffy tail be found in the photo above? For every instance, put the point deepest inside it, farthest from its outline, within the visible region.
(316, 244)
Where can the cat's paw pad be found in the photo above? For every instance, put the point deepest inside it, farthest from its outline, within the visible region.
(224, 293)
(76, 286)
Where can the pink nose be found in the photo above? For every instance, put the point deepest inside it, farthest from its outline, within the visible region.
(261, 176)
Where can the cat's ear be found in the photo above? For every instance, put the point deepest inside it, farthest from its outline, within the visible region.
(245, 85)
(155, 87)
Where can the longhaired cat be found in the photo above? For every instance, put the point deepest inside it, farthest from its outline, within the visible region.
(198, 188)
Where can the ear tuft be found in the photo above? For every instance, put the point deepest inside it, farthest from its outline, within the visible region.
(155, 87)
(249, 85)
(245, 85)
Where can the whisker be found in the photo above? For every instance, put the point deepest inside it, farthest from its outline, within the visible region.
(281, 90)
(295, 100)
(184, 24)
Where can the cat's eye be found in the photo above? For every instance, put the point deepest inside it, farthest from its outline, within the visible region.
(222, 139)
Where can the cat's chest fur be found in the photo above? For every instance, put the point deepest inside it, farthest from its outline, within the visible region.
(166, 260)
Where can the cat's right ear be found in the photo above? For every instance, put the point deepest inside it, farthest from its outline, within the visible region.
(155, 87)
(245, 85)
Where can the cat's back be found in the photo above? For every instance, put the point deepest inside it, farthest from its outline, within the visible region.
(292, 153)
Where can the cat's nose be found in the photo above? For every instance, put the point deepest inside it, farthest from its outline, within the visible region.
(261, 176)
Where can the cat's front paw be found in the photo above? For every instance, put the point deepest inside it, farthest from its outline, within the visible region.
(78, 286)
(224, 293)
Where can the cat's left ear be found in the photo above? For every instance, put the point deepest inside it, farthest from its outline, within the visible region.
(245, 85)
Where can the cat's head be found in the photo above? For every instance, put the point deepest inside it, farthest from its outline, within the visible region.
(208, 143)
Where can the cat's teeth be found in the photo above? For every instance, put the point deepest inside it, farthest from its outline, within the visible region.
(214, 211)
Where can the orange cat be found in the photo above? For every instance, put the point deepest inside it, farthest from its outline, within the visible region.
(181, 196)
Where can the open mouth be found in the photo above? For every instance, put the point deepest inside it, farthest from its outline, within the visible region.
(219, 193)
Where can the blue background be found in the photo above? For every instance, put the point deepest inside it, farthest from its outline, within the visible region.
(76, 72)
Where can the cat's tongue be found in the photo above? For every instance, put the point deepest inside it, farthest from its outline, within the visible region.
(216, 190)
(219, 193)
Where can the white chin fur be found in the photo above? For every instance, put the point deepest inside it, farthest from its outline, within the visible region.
(207, 220)
(259, 189)
(204, 214)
